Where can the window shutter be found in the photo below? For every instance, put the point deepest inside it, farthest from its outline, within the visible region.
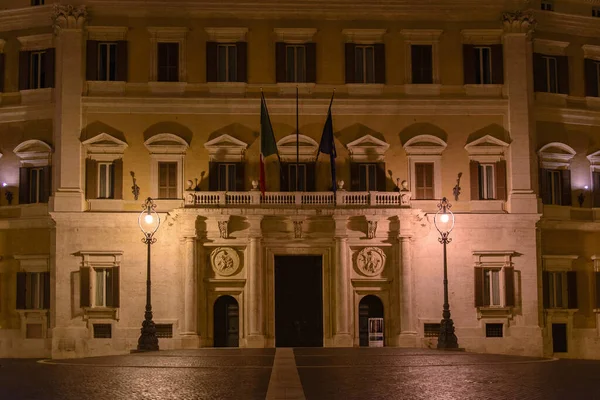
(501, 180)
(240, 178)
(469, 65)
(379, 50)
(118, 179)
(546, 289)
(213, 176)
(2, 72)
(91, 178)
(350, 67)
(23, 185)
(597, 303)
(566, 187)
(479, 301)
(572, 289)
(49, 67)
(46, 184)
(591, 78)
(596, 188)
(544, 188)
(562, 64)
(354, 177)
(84, 287)
(24, 68)
(211, 61)
(474, 172)
(310, 176)
(112, 289)
(539, 73)
(21, 288)
(283, 177)
(91, 60)
(497, 64)
(311, 62)
(122, 61)
(242, 61)
(380, 177)
(509, 282)
(46, 277)
(280, 62)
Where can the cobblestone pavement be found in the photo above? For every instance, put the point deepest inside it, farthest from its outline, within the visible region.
(347, 374)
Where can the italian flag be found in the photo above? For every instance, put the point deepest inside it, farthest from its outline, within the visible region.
(268, 146)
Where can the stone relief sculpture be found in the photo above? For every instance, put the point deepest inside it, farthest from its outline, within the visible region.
(224, 261)
(298, 229)
(223, 229)
(371, 229)
(370, 261)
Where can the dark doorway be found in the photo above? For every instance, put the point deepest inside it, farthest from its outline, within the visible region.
(226, 314)
(298, 301)
(370, 306)
(559, 338)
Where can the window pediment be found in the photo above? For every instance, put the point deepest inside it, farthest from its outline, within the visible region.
(558, 262)
(295, 35)
(367, 149)
(550, 47)
(594, 159)
(104, 147)
(227, 35)
(33, 262)
(364, 36)
(486, 149)
(226, 148)
(425, 145)
(307, 148)
(556, 155)
(33, 153)
(166, 143)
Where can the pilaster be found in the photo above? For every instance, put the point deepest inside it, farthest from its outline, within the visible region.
(342, 334)
(254, 310)
(188, 238)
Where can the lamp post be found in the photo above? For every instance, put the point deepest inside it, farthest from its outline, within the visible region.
(444, 223)
(149, 221)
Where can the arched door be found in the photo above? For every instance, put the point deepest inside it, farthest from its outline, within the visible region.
(226, 332)
(370, 306)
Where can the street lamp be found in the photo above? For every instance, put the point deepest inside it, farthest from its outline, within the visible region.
(444, 223)
(149, 221)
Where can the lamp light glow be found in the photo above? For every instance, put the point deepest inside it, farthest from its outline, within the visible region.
(148, 218)
(4, 184)
(586, 187)
(444, 218)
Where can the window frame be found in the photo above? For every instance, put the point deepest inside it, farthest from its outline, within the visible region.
(369, 167)
(481, 67)
(37, 58)
(429, 37)
(547, 5)
(483, 181)
(109, 182)
(108, 46)
(34, 186)
(100, 260)
(169, 186)
(228, 72)
(364, 78)
(424, 188)
(302, 182)
(227, 167)
(168, 35)
(295, 47)
(596, 12)
(425, 149)
(166, 147)
(547, 62)
(37, 2)
(489, 290)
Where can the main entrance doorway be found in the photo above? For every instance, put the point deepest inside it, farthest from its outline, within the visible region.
(370, 306)
(226, 331)
(298, 301)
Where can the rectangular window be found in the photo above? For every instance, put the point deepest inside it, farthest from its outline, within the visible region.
(37, 2)
(36, 181)
(301, 178)
(164, 331)
(493, 330)
(107, 61)
(227, 177)
(486, 181)
(106, 177)
(168, 62)
(167, 180)
(103, 287)
(557, 285)
(34, 290)
(367, 177)
(422, 63)
(431, 330)
(227, 63)
(424, 181)
(597, 65)
(596, 12)
(483, 65)
(555, 186)
(364, 64)
(547, 5)
(102, 331)
(551, 74)
(37, 70)
(491, 287)
(295, 63)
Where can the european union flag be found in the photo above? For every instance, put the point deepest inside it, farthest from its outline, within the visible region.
(327, 145)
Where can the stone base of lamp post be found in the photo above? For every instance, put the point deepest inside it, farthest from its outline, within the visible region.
(447, 339)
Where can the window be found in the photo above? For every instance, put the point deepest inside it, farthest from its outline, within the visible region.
(107, 61)
(422, 63)
(367, 177)
(547, 5)
(102, 331)
(33, 290)
(37, 2)
(486, 181)
(167, 180)
(551, 75)
(596, 12)
(555, 186)
(99, 288)
(494, 280)
(227, 62)
(35, 184)
(168, 62)
(37, 70)
(295, 63)
(483, 65)
(164, 331)
(106, 177)
(104, 287)
(491, 287)
(424, 181)
(560, 289)
(364, 63)
(493, 330)
(592, 77)
(431, 330)
(227, 177)
(291, 176)
(554, 181)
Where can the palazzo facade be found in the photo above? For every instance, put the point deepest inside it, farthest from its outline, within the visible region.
(104, 104)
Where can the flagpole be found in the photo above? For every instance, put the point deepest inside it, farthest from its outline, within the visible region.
(297, 141)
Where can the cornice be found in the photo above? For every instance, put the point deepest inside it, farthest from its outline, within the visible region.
(570, 24)
(26, 18)
(571, 116)
(26, 113)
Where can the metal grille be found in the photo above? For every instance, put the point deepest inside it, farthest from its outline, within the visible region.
(102, 331)
(164, 331)
(493, 330)
(431, 330)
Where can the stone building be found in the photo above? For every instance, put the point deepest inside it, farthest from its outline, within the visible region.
(105, 103)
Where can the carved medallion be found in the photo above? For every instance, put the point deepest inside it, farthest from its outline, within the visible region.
(370, 261)
(225, 261)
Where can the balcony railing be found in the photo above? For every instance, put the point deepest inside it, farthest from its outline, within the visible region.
(341, 198)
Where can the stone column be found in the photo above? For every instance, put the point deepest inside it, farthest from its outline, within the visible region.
(519, 87)
(254, 279)
(408, 333)
(187, 233)
(67, 168)
(343, 335)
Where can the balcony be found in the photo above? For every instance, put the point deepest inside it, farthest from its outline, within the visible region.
(341, 198)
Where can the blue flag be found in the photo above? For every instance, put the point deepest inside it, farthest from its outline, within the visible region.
(327, 145)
